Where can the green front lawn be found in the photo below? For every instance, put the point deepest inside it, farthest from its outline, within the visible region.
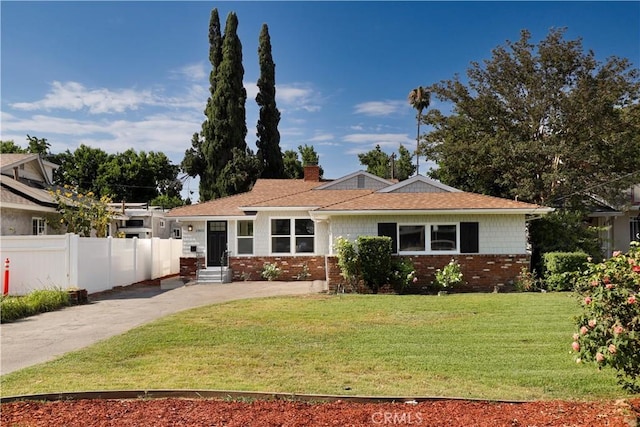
(494, 346)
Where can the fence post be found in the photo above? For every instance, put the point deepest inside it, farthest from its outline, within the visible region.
(5, 287)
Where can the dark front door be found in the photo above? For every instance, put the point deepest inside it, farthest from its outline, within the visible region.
(216, 243)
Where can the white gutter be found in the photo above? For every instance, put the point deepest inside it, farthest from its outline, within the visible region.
(542, 210)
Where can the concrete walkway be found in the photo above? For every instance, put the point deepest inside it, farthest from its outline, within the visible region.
(46, 336)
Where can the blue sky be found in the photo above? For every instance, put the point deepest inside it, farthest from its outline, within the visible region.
(119, 75)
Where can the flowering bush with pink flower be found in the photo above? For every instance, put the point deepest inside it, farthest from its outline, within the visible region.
(609, 327)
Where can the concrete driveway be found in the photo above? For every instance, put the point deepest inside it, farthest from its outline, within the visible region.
(46, 336)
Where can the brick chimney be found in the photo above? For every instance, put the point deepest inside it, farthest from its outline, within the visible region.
(312, 173)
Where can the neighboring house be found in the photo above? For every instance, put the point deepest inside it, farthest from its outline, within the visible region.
(143, 221)
(24, 201)
(619, 225)
(295, 223)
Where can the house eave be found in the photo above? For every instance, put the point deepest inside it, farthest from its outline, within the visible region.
(201, 218)
(32, 208)
(328, 213)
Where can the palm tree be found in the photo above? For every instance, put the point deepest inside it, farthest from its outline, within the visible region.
(419, 98)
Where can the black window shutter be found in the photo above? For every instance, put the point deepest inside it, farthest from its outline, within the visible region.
(389, 229)
(469, 243)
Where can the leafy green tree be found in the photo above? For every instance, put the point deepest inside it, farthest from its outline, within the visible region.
(310, 157)
(80, 168)
(81, 213)
(38, 145)
(167, 202)
(138, 177)
(381, 164)
(292, 165)
(377, 162)
(548, 124)
(269, 152)
(419, 98)
(404, 167)
(10, 146)
(195, 162)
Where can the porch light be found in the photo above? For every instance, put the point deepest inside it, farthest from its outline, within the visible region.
(190, 227)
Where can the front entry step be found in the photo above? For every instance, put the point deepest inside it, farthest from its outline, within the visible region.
(214, 275)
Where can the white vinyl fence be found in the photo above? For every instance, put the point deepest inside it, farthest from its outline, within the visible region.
(94, 264)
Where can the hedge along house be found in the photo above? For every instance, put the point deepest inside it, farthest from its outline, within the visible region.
(294, 223)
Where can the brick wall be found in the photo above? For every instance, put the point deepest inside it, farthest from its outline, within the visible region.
(189, 265)
(481, 272)
(291, 267)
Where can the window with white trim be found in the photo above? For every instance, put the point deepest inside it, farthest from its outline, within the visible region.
(292, 235)
(39, 226)
(428, 238)
(245, 238)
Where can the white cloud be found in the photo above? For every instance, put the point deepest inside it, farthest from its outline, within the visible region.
(192, 72)
(322, 137)
(378, 108)
(74, 96)
(298, 96)
(252, 90)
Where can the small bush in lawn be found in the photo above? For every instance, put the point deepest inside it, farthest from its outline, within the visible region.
(403, 275)
(270, 271)
(374, 253)
(449, 277)
(527, 281)
(348, 262)
(609, 327)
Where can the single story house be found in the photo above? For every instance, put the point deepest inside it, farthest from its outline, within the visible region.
(295, 223)
(25, 201)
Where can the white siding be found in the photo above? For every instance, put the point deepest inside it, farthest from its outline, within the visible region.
(498, 234)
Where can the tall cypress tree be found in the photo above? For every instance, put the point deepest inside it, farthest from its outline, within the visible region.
(234, 167)
(196, 160)
(269, 152)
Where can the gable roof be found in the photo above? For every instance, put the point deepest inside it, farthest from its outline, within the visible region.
(336, 183)
(320, 200)
(18, 195)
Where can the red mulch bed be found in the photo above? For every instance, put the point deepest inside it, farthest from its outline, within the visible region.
(203, 412)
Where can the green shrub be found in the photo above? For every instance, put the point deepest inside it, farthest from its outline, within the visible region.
(403, 274)
(270, 271)
(40, 301)
(448, 277)
(375, 260)
(609, 328)
(562, 269)
(348, 262)
(527, 281)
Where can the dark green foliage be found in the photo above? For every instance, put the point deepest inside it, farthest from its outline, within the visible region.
(269, 152)
(13, 308)
(137, 177)
(562, 231)
(220, 155)
(547, 123)
(402, 274)
(374, 253)
(80, 168)
(310, 157)
(381, 164)
(11, 147)
(562, 269)
(292, 166)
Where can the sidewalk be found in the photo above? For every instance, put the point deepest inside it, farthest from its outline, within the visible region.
(46, 336)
